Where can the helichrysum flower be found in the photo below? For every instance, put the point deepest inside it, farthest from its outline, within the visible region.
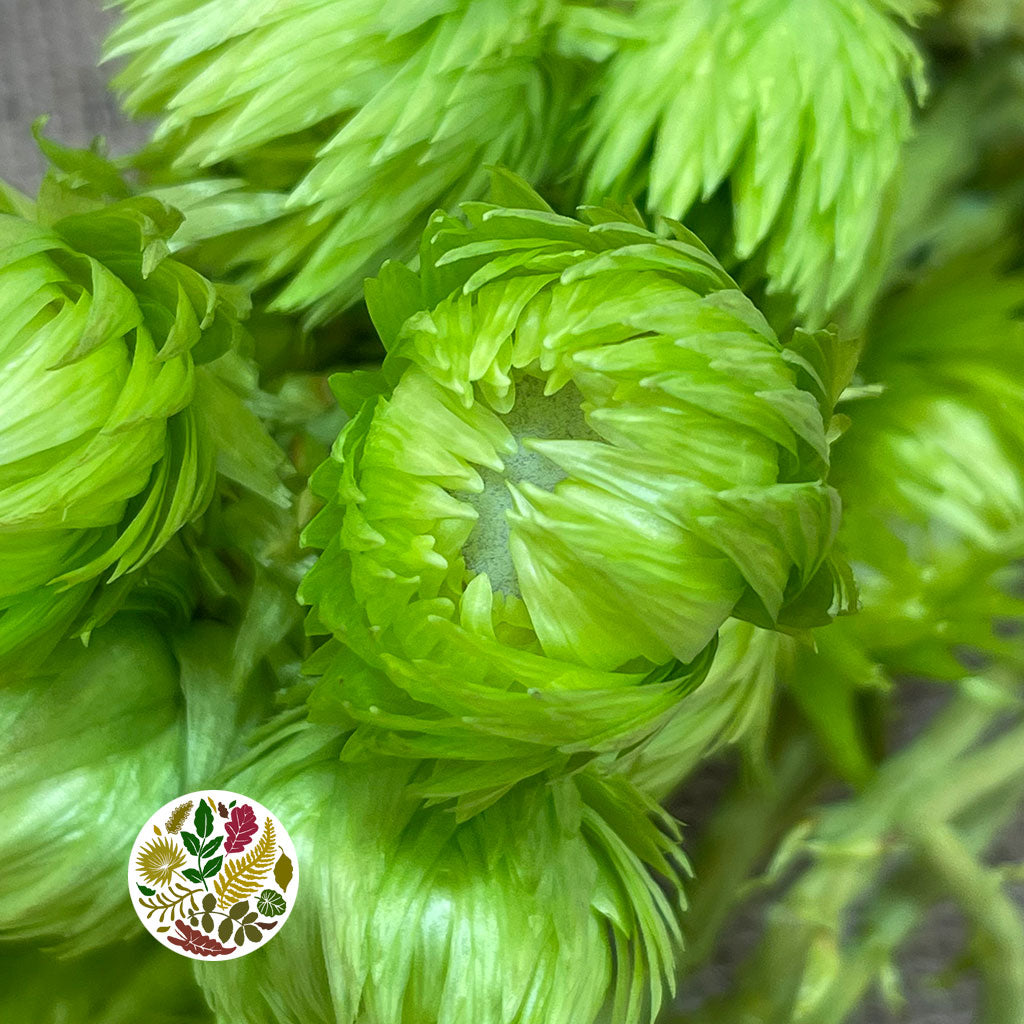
(92, 744)
(585, 451)
(545, 908)
(930, 473)
(127, 984)
(315, 139)
(931, 467)
(800, 108)
(121, 397)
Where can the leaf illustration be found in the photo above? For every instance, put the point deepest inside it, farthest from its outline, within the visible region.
(211, 867)
(158, 859)
(211, 847)
(243, 876)
(172, 902)
(145, 890)
(194, 941)
(203, 820)
(271, 903)
(240, 829)
(192, 875)
(191, 842)
(222, 810)
(213, 806)
(267, 925)
(177, 818)
(164, 928)
(239, 910)
(224, 931)
(283, 871)
(157, 830)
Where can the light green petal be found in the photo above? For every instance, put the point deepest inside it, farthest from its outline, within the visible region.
(558, 489)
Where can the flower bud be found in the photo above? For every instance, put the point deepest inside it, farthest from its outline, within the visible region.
(310, 141)
(542, 909)
(125, 984)
(121, 397)
(930, 469)
(93, 744)
(585, 451)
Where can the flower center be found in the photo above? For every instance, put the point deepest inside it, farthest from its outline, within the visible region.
(534, 416)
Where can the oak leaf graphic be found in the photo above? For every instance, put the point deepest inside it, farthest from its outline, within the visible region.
(192, 940)
(240, 829)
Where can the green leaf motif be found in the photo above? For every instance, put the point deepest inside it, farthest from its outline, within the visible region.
(224, 931)
(239, 910)
(192, 875)
(191, 842)
(211, 867)
(203, 820)
(271, 904)
(146, 891)
(211, 847)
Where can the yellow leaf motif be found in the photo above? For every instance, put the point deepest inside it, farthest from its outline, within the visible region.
(242, 876)
(158, 860)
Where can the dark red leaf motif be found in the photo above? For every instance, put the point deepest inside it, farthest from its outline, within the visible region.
(267, 925)
(192, 940)
(240, 829)
(222, 810)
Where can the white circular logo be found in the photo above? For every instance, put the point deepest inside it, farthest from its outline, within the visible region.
(213, 875)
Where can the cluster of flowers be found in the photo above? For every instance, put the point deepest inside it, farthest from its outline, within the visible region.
(596, 498)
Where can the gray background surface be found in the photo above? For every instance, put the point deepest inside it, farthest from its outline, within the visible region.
(48, 55)
(49, 50)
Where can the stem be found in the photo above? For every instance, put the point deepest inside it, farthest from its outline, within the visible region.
(979, 892)
(807, 968)
(738, 838)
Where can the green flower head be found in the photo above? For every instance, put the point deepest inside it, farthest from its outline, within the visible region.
(545, 908)
(586, 450)
(800, 109)
(309, 141)
(119, 385)
(931, 467)
(92, 745)
(123, 985)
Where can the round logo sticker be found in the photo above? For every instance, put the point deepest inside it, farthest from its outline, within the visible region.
(213, 875)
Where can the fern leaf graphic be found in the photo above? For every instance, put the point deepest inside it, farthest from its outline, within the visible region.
(171, 902)
(242, 876)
